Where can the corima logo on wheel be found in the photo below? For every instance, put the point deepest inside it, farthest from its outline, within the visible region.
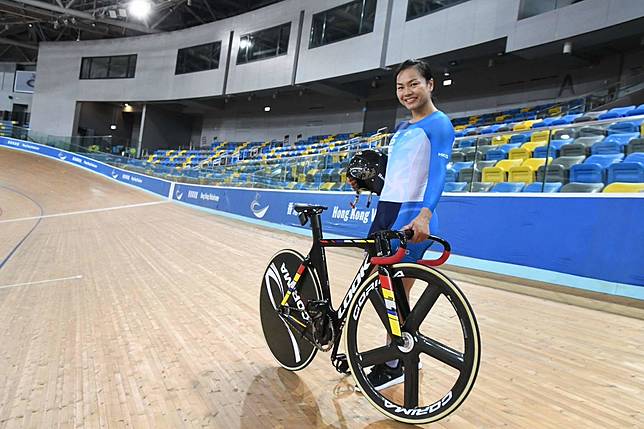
(256, 208)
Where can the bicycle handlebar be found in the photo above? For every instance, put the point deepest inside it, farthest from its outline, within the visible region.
(403, 236)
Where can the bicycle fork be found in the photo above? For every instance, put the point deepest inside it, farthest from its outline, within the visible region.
(387, 290)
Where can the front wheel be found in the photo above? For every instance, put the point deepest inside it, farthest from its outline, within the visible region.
(441, 352)
(288, 346)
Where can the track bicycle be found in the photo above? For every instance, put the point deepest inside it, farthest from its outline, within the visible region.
(382, 324)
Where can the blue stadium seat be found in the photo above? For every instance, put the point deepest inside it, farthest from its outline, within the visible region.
(614, 143)
(549, 187)
(450, 175)
(639, 110)
(455, 187)
(496, 155)
(545, 123)
(565, 120)
(457, 166)
(467, 143)
(491, 129)
(624, 127)
(593, 170)
(540, 152)
(508, 187)
(616, 112)
(519, 139)
(630, 170)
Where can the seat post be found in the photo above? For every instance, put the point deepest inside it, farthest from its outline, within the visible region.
(316, 225)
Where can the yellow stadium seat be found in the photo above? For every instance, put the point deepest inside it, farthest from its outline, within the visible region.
(554, 111)
(503, 139)
(519, 153)
(620, 187)
(531, 146)
(327, 186)
(499, 172)
(460, 127)
(524, 109)
(540, 136)
(501, 118)
(525, 125)
(527, 171)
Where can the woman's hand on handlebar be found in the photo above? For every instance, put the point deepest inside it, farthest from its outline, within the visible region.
(420, 226)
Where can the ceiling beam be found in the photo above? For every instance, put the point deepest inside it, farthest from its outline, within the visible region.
(25, 45)
(83, 15)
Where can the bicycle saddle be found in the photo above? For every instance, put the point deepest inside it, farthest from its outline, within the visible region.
(308, 208)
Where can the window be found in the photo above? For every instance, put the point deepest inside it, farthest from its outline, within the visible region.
(418, 8)
(268, 43)
(529, 8)
(117, 67)
(342, 22)
(198, 58)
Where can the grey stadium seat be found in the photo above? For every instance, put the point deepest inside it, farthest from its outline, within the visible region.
(580, 146)
(589, 116)
(465, 174)
(582, 187)
(564, 134)
(635, 145)
(482, 186)
(591, 131)
(559, 169)
(457, 156)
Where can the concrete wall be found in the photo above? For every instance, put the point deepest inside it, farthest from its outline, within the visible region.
(163, 129)
(470, 23)
(7, 74)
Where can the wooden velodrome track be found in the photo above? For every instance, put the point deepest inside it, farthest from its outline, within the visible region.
(147, 316)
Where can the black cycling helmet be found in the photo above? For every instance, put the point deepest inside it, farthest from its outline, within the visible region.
(368, 168)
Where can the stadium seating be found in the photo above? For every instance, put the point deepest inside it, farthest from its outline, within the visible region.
(499, 173)
(582, 187)
(593, 169)
(616, 112)
(624, 127)
(639, 110)
(580, 146)
(559, 169)
(631, 170)
(526, 172)
(547, 187)
(465, 174)
(481, 186)
(542, 151)
(455, 187)
(618, 187)
(508, 187)
(635, 145)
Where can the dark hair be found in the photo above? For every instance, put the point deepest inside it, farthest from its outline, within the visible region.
(422, 67)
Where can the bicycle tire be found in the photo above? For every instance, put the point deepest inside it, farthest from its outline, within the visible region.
(408, 410)
(288, 347)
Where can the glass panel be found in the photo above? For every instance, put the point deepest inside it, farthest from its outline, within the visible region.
(99, 67)
(529, 8)
(264, 44)
(86, 65)
(121, 66)
(118, 66)
(418, 8)
(198, 58)
(342, 22)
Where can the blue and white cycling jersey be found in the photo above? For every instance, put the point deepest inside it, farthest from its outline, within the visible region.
(416, 167)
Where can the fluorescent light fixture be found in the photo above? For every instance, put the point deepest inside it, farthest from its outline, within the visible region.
(245, 43)
(267, 109)
(139, 9)
(447, 82)
(111, 13)
(112, 127)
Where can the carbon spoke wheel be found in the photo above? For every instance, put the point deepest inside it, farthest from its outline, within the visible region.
(287, 345)
(439, 349)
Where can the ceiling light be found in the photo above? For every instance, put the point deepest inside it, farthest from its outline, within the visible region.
(245, 43)
(112, 127)
(446, 74)
(111, 13)
(139, 8)
(267, 109)
(447, 82)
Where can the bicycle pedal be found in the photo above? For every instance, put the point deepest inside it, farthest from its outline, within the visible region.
(341, 364)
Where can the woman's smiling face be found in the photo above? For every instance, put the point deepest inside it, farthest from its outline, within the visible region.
(412, 89)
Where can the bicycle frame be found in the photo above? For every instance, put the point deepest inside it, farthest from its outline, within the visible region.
(316, 259)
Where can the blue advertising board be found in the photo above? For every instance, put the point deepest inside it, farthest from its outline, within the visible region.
(593, 236)
(151, 184)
